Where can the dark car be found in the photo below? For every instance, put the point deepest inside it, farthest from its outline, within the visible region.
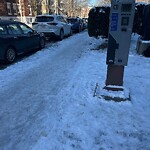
(85, 22)
(17, 38)
(77, 24)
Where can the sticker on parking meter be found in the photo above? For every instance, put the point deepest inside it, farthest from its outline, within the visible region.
(114, 21)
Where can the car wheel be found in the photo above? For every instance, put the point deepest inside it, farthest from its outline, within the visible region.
(42, 43)
(61, 35)
(10, 55)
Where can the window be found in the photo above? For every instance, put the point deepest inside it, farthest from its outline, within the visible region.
(3, 30)
(9, 8)
(26, 29)
(58, 18)
(15, 8)
(44, 19)
(14, 29)
(72, 20)
(61, 19)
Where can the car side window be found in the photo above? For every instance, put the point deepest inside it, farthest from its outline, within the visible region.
(14, 29)
(59, 19)
(26, 29)
(3, 30)
(63, 20)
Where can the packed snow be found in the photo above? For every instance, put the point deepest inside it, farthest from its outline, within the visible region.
(47, 100)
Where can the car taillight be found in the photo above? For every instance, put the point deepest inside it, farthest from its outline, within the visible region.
(52, 23)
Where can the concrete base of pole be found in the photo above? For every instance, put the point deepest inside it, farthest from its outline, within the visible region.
(113, 89)
(112, 95)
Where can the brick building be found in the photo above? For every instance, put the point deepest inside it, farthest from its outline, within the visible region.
(16, 10)
(21, 9)
(2, 8)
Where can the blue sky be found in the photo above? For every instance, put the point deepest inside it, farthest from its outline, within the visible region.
(92, 1)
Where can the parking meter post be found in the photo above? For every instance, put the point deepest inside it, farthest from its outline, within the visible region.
(120, 30)
(115, 75)
(119, 37)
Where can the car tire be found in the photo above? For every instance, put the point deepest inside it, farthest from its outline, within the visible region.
(42, 43)
(10, 55)
(61, 35)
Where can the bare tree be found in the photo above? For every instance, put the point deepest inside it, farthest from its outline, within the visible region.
(102, 2)
(80, 4)
(73, 7)
(36, 6)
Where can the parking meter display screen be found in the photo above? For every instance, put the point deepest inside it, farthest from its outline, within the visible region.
(126, 7)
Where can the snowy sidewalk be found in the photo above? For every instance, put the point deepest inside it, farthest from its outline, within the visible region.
(47, 101)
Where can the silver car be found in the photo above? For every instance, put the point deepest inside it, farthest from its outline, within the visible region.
(52, 25)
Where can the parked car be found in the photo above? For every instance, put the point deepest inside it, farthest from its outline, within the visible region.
(52, 25)
(85, 22)
(77, 24)
(17, 38)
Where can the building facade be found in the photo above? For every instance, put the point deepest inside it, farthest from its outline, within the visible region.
(16, 10)
(25, 10)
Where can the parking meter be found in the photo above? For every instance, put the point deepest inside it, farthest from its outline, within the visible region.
(120, 30)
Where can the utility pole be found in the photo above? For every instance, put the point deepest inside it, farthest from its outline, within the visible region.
(56, 6)
(71, 3)
(20, 10)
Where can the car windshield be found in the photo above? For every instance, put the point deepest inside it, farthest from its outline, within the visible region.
(72, 20)
(44, 19)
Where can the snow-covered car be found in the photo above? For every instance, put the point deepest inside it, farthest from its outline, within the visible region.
(52, 25)
(17, 38)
